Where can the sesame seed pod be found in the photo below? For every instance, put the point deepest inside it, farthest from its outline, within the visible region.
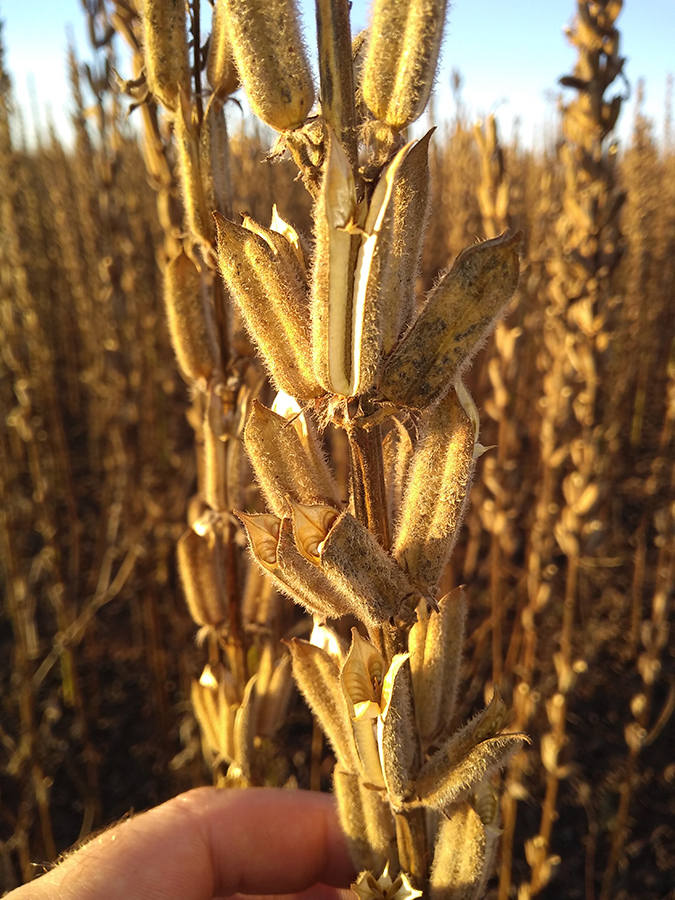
(270, 56)
(461, 311)
(245, 732)
(221, 71)
(261, 602)
(216, 720)
(438, 680)
(356, 563)
(464, 758)
(284, 251)
(333, 273)
(459, 857)
(197, 215)
(189, 325)
(371, 305)
(397, 451)
(200, 565)
(349, 799)
(280, 226)
(397, 735)
(214, 159)
(318, 678)
(272, 546)
(407, 226)
(270, 306)
(400, 65)
(215, 455)
(282, 466)
(436, 493)
(165, 50)
(275, 701)
(380, 829)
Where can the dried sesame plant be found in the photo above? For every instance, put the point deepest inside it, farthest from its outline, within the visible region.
(334, 325)
(336, 331)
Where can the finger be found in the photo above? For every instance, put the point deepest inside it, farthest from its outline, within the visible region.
(204, 844)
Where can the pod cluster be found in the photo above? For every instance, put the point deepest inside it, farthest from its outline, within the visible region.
(345, 341)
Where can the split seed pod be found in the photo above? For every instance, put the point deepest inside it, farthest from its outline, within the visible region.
(356, 564)
(400, 65)
(333, 279)
(220, 68)
(271, 308)
(461, 311)
(436, 493)
(190, 327)
(282, 466)
(371, 304)
(272, 545)
(271, 59)
(165, 50)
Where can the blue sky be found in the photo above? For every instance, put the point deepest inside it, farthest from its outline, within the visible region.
(510, 54)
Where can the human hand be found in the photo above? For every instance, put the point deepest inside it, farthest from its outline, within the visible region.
(207, 844)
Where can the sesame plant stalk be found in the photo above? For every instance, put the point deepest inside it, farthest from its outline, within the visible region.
(343, 349)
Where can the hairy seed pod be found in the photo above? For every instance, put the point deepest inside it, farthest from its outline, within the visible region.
(216, 444)
(214, 159)
(398, 741)
(261, 602)
(361, 678)
(165, 50)
(333, 278)
(282, 466)
(272, 545)
(280, 226)
(465, 758)
(215, 710)
(397, 452)
(221, 71)
(272, 309)
(201, 570)
(271, 59)
(436, 493)
(190, 324)
(318, 678)
(290, 409)
(245, 723)
(410, 209)
(274, 700)
(461, 311)
(400, 65)
(197, 215)
(284, 250)
(380, 829)
(436, 686)
(371, 306)
(459, 857)
(349, 801)
(354, 561)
